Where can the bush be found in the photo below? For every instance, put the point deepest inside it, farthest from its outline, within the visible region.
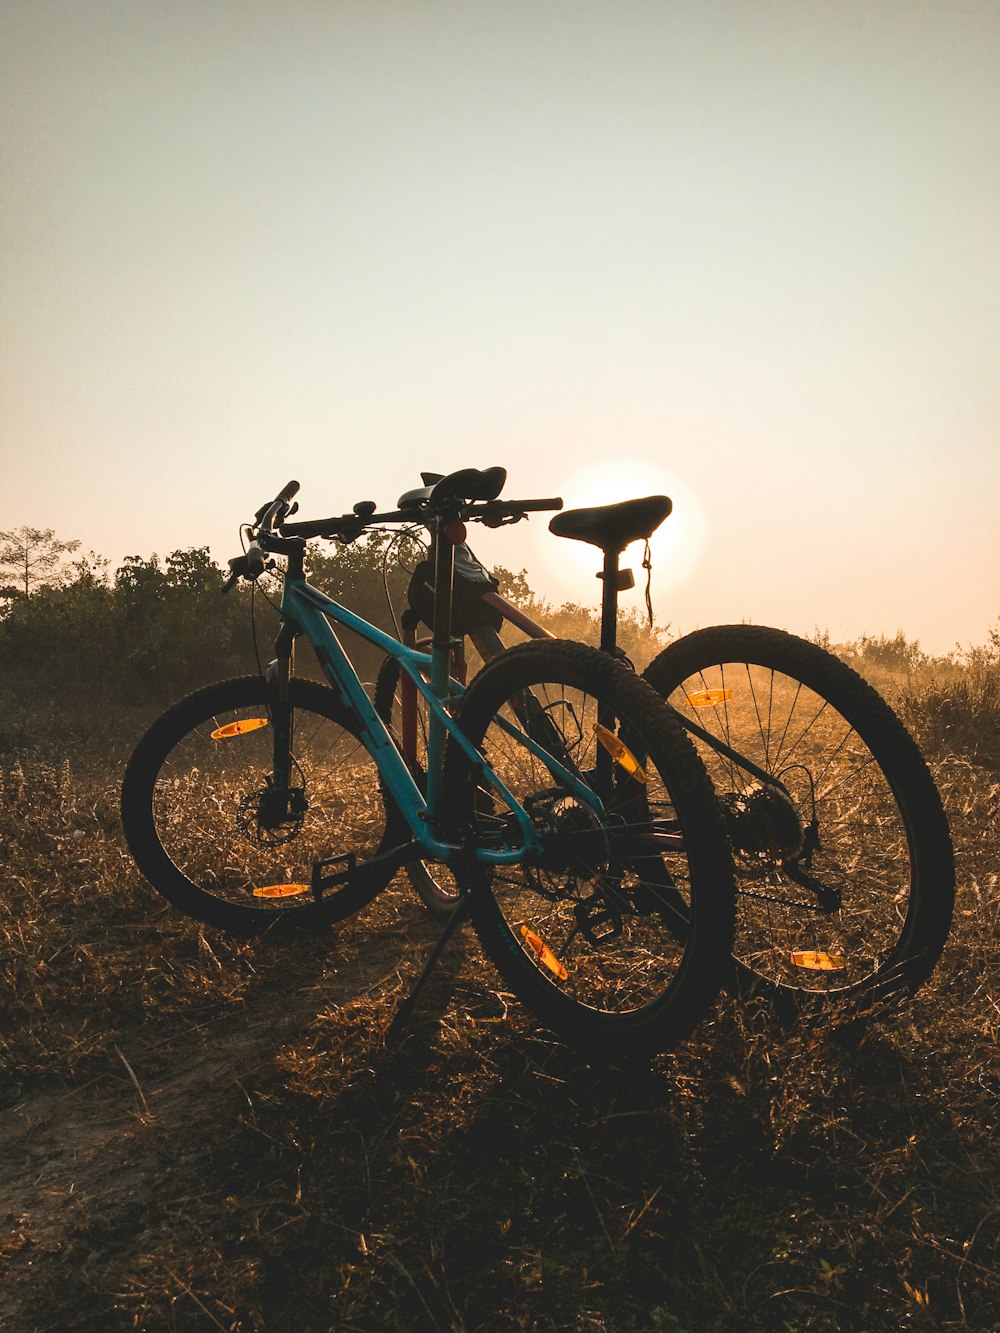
(953, 708)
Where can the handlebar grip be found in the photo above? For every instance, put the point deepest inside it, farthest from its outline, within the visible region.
(536, 506)
(267, 514)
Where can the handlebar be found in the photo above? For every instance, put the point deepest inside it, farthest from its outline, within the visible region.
(253, 562)
(496, 513)
(346, 527)
(267, 516)
(270, 532)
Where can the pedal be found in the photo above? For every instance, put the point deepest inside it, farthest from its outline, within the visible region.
(320, 882)
(599, 925)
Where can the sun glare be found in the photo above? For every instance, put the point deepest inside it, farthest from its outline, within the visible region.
(676, 545)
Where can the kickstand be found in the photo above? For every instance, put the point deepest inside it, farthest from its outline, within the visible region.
(408, 1003)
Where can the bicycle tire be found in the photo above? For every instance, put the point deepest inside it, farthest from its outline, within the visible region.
(640, 979)
(859, 793)
(434, 884)
(191, 805)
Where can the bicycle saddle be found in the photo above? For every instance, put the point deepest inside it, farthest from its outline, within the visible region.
(469, 483)
(613, 527)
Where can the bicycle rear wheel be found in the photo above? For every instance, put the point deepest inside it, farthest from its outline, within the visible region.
(844, 867)
(201, 824)
(617, 935)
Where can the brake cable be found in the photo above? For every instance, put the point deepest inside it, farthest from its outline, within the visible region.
(647, 564)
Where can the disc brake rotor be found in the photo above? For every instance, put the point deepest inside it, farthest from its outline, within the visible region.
(256, 820)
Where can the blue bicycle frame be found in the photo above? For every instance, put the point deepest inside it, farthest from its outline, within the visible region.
(311, 611)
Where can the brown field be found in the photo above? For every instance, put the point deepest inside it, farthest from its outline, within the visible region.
(201, 1133)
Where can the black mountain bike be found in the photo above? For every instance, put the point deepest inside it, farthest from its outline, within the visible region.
(844, 865)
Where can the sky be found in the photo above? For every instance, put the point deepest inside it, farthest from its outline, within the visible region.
(742, 252)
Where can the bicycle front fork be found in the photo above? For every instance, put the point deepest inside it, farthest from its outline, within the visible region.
(275, 809)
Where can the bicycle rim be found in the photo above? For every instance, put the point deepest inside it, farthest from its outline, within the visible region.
(204, 826)
(617, 937)
(843, 862)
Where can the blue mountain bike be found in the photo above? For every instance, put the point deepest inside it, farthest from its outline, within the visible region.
(577, 822)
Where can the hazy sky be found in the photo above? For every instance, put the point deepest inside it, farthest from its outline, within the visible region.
(746, 252)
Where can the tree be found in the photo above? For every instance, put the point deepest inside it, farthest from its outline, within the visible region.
(515, 588)
(194, 569)
(33, 556)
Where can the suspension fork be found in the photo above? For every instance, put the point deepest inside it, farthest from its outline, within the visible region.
(279, 677)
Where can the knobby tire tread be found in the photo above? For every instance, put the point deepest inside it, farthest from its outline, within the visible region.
(925, 932)
(139, 826)
(701, 975)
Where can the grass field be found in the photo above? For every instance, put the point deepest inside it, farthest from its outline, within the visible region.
(200, 1133)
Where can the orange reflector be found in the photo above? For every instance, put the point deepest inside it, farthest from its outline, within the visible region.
(620, 753)
(544, 953)
(709, 698)
(816, 961)
(239, 728)
(281, 890)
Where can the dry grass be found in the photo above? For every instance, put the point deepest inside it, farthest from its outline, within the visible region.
(205, 1134)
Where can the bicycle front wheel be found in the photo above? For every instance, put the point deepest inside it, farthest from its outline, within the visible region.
(617, 933)
(844, 867)
(201, 822)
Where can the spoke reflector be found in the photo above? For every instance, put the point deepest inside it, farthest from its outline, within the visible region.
(544, 953)
(619, 752)
(709, 698)
(814, 960)
(239, 728)
(281, 890)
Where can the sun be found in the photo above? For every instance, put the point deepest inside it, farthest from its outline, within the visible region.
(675, 547)
(560, 570)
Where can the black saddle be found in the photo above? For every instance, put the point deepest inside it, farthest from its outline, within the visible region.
(613, 527)
(469, 483)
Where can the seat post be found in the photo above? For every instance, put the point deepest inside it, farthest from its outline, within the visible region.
(609, 641)
(609, 601)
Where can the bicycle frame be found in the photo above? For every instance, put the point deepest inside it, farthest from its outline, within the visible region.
(488, 644)
(305, 609)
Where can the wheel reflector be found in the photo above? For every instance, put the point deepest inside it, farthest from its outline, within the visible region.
(544, 953)
(281, 890)
(709, 698)
(239, 728)
(816, 961)
(620, 753)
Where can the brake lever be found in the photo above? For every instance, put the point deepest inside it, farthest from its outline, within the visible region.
(249, 566)
(237, 570)
(502, 520)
